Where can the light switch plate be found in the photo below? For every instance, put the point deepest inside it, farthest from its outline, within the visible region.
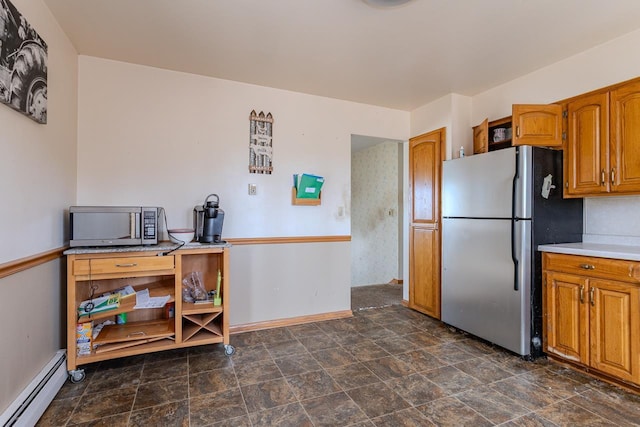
(253, 189)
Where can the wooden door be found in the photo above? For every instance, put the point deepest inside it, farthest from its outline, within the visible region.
(425, 163)
(625, 139)
(566, 316)
(539, 125)
(614, 328)
(481, 137)
(586, 158)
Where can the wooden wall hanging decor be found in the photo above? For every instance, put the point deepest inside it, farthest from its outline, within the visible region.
(260, 143)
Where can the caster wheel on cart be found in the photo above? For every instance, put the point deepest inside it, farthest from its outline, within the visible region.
(229, 350)
(77, 376)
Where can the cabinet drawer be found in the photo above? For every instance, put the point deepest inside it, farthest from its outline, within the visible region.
(122, 267)
(626, 271)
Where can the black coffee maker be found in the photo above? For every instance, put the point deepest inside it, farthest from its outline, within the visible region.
(207, 220)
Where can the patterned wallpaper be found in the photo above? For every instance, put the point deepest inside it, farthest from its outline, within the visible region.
(375, 216)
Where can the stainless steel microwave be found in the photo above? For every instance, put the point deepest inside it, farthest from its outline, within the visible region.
(113, 225)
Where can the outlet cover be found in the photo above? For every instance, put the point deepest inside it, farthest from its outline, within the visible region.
(253, 189)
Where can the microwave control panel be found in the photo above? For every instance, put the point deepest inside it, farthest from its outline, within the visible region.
(149, 225)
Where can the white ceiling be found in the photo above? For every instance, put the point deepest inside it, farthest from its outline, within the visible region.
(402, 57)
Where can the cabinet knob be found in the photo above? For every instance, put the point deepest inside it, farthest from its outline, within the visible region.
(131, 264)
(587, 266)
(591, 299)
(581, 294)
(613, 175)
(602, 175)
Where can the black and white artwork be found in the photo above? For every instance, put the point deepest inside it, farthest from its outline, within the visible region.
(260, 143)
(23, 64)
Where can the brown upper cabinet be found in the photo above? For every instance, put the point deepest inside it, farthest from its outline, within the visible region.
(539, 125)
(602, 152)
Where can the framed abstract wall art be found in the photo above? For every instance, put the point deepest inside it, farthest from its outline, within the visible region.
(23, 65)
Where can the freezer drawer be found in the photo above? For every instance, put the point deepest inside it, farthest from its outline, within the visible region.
(478, 286)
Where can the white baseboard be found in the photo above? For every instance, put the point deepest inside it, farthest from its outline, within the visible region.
(29, 406)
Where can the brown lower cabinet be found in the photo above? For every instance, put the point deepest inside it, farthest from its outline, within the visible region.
(592, 314)
(94, 272)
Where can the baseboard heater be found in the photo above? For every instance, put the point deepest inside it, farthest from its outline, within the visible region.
(29, 406)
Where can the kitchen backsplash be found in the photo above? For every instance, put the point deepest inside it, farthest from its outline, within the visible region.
(612, 220)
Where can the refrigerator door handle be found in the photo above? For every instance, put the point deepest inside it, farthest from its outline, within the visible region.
(514, 219)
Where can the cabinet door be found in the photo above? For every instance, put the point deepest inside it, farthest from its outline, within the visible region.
(566, 316)
(586, 158)
(481, 137)
(614, 328)
(539, 125)
(625, 139)
(424, 292)
(425, 164)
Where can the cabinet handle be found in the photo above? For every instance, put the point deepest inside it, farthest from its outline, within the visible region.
(587, 266)
(591, 300)
(613, 175)
(133, 264)
(602, 175)
(581, 294)
(517, 131)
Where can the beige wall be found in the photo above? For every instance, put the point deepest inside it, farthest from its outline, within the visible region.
(453, 112)
(38, 162)
(157, 137)
(164, 138)
(606, 64)
(282, 281)
(38, 175)
(32, 316)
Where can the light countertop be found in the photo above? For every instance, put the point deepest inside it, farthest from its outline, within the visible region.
(601, 250)
(162, 246)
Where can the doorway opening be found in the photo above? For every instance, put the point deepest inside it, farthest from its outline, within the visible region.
(377, 220)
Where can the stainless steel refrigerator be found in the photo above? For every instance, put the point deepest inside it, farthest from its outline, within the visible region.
(497, 207)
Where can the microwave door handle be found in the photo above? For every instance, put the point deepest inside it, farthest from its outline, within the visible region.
(132, 225)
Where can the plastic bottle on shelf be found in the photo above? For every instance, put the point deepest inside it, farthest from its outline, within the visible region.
(461, 152)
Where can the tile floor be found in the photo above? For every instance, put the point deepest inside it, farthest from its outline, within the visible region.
(386, 366)
(375, 296)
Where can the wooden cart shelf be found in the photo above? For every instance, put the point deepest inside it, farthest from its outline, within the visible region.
(107, 353)
(136, 331)
(157, 289)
